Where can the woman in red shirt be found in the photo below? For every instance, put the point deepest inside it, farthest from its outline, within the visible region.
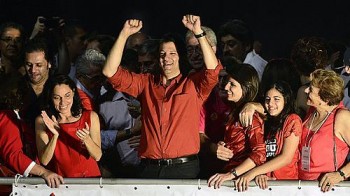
(325, 136)
(282, 135)
(67, 137)
(245, 143)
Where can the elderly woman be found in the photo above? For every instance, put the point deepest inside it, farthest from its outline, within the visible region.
(68, 137)
(325, 136)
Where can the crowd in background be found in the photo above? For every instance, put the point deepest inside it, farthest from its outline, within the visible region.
(201, 105)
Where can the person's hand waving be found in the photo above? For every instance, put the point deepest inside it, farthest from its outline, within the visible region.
(51, 123)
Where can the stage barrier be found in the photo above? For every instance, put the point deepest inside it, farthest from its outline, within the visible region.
(151, 187)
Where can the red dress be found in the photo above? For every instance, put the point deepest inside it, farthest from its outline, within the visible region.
(71, 158)
(245, 143)
(322, 144)
(274, 147)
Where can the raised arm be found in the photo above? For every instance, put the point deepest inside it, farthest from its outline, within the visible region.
(193, 23)
(114, 58)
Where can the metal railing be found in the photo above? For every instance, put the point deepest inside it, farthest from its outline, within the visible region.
(127, 181)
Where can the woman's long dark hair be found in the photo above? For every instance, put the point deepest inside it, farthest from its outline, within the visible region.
(248, 78)
(273, 124)
(47, 104)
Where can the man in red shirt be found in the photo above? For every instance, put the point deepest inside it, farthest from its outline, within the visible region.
(170, 102)
(11, 153)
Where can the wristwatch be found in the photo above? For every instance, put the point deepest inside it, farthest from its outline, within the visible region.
(342, 174)
(234, 173)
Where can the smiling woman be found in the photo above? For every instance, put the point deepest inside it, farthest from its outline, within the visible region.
(67, 137)
(245, 143)
(325, 131)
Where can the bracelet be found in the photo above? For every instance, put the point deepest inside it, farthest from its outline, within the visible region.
(200, 35)
(234, 173)
(341, 174)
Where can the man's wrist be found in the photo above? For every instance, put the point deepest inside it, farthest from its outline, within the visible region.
(199, 35)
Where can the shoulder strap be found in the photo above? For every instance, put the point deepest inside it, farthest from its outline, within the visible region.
(334, 145)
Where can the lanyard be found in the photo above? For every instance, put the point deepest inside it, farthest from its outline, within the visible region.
(310, 127)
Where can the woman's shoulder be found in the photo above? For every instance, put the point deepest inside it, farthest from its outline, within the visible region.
(293, 117)
(342, 115)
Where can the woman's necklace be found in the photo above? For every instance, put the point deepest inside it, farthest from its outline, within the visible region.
(319, 124)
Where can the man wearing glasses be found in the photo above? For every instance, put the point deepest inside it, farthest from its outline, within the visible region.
(11, 43)
(89, 77)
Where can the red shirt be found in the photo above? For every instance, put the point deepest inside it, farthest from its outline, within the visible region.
(11, 145)
(86, 100)
(170, 114)
(213, 117)
(322, 145)
(245, 142)
(274, 147)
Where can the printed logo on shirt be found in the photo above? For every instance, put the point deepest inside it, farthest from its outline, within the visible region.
(271, 147)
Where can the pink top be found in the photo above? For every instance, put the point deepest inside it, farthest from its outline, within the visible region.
(322, 144)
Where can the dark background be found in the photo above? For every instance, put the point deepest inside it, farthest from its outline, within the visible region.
(277, 24)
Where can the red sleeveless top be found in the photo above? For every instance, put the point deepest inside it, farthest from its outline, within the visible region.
(322, 148)
(71, 158)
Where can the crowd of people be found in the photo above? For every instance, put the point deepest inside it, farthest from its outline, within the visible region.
(206, 105)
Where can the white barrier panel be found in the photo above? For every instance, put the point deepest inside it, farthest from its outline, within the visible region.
(174, 190)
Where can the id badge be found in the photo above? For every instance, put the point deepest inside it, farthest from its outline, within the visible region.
(305, 158)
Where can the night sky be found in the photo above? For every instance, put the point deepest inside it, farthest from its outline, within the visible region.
(277, 24)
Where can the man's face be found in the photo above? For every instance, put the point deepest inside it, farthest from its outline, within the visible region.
(37, 67)
(76, 44)
(11, 43)
(169, 59)
(231, 46)
(147, 63)
(194, 53)
(93, 81)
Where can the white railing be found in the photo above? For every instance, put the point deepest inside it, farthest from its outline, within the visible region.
(130, 187)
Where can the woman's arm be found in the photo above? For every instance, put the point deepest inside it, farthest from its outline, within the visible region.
(290, 145)
(91, 137)
(342, 131)
(45, 146)
(247, 112)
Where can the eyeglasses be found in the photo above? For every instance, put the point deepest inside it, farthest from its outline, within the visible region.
(193, 49)
(16, 40)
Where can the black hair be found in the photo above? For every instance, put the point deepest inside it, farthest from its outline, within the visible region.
(47, 104)
(180, 45)
(239, 30)
(273, 124)
(279, 69)
(248, 78)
